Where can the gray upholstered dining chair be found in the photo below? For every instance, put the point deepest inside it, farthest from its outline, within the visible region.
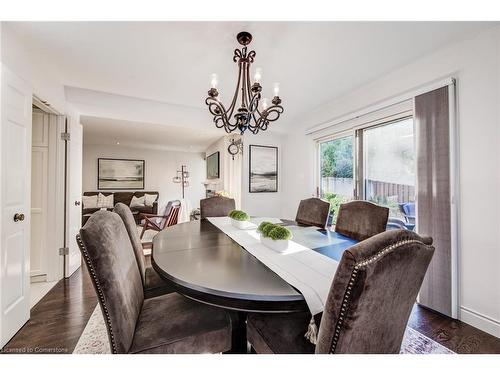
(169, 323)
(216, 206)
(368, 306)
(313, 211)
(152, 283)
(360, 220)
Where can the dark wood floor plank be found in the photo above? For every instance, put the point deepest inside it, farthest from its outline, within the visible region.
(453, 334)
(58, 320)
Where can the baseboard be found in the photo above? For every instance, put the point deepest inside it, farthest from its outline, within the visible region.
(480, 321)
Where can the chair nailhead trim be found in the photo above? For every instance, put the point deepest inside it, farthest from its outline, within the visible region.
(100, 294)
(354, 274)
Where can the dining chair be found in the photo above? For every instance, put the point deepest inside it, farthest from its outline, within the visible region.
(168, 219)
(395, 223)
(216, 207)
(408, 211)
(360, 220)
(368, 306)
(313, 212)
(152, 283)
(169, 323)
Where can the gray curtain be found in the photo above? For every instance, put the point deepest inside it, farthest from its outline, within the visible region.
(432, 126)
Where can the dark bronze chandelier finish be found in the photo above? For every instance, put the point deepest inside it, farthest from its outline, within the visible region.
(246, 115)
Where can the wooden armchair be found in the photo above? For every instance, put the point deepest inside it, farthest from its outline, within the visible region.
(168, 219)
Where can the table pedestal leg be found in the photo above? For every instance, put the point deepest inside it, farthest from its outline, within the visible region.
(239, 334)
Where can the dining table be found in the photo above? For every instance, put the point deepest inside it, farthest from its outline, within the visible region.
(201, 262)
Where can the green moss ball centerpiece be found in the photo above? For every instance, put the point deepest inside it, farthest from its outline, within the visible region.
(274, 236)
(239, 219)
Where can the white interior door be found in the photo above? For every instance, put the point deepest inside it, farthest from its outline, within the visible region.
(74, 194)
(15, 134)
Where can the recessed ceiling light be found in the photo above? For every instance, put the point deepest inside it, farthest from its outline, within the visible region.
(117, 143)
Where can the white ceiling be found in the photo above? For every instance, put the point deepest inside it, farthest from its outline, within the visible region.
(100, 131)
(169, 63)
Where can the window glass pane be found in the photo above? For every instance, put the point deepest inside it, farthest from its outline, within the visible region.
(389, 163)
(336, 171)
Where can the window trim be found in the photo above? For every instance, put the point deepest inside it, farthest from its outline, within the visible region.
(383, 117)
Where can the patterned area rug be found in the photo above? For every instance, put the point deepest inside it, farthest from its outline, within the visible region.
(94, 339)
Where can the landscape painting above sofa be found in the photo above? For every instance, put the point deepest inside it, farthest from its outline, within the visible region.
(120, 174)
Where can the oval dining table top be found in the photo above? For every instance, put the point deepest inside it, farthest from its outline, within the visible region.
(205, 264)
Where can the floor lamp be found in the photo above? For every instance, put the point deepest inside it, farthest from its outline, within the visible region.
(182, 178)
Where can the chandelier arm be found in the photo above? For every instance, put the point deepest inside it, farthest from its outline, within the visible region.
(235, 96)
(217, 109)
(253, 98)
(244, 97)
(273, 113)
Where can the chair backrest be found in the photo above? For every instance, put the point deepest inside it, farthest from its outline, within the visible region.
(170, 215)
(313, 211)
(129, 222)
(216, 207)
(110, 260)
(360, 220)
(173, 217)
(395, 223)
(409, 208)
(373, 292)
(168, 207)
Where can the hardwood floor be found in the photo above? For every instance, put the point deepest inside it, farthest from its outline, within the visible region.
(59, 319)
(453, 334)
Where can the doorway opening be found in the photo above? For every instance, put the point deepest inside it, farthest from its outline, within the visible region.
(47, 203)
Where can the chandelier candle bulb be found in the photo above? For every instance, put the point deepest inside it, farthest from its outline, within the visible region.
(258, 75)
(214, 81)
(276, 89)
(265, 104)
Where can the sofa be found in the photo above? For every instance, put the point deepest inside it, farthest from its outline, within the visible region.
(124, 197)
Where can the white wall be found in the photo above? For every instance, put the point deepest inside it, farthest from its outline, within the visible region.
(29, 62)
(161, 167)
(475, 62)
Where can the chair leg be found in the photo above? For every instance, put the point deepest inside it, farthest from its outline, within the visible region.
(143, 230)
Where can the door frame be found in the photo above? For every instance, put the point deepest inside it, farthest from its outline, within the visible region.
(56, 176)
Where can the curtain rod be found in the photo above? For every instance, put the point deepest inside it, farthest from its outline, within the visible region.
(407, 95)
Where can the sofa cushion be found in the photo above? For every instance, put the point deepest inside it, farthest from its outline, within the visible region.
(137, 202)
(105, 201)
(173, 324)
(89, 201)
(149, 199)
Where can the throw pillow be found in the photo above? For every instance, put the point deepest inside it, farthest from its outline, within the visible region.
(149, 199)
(137, 201)
(105, 201)
(89, 201)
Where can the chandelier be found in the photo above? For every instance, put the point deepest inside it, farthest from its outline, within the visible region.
(253, 113)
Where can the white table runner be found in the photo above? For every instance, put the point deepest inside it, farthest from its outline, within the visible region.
(308, 271)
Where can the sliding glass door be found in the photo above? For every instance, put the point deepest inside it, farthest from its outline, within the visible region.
(388, 174)
(336, 160)
(382, 172)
